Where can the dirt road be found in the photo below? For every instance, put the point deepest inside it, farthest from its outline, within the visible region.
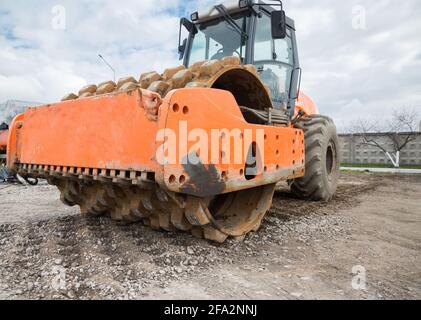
(303, 251)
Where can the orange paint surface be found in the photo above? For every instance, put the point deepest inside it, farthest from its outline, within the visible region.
(282, 148)
(4, 136)
(117, 132)
(306, 104)
(105, 132)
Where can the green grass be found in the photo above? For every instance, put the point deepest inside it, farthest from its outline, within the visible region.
(362, 165)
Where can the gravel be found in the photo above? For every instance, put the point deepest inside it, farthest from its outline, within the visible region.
(66, 256)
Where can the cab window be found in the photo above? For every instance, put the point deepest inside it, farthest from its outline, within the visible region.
(217, 39)
(274, 60)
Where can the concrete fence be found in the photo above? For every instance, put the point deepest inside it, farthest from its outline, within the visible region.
(354, 151)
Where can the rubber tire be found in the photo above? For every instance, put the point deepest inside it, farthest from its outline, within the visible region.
(322, 160)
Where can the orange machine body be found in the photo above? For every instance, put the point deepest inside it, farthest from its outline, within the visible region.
(306, 104)
(117, 136)
(4, 135)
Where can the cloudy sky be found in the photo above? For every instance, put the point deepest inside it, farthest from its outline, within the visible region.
(359, 58)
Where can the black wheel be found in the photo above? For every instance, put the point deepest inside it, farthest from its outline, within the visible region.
(322, 160)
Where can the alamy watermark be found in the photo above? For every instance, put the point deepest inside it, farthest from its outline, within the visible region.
(58, 282)
(58, 21)
(215, 146)
(359, 17)
(359, 281)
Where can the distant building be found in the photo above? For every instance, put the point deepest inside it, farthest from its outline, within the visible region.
(11, 108)
(354, 151)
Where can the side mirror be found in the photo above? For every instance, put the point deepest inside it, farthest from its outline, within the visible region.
(182, 49)
(279, 25)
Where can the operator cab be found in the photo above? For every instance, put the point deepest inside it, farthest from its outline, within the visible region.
(245, 29)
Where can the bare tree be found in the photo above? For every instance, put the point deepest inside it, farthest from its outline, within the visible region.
(398, 132)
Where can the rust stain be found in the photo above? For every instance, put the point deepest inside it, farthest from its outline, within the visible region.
(204, 180)
(151, 102)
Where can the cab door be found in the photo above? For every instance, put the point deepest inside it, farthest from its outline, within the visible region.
(274, 59)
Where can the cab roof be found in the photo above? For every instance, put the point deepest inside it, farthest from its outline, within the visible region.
(234, 7)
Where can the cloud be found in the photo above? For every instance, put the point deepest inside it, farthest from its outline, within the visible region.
(41, 63)
(376, 66)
